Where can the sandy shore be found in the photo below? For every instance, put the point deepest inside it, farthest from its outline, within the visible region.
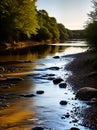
(81, 69)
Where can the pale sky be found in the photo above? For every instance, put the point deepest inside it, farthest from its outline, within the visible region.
(71, 13)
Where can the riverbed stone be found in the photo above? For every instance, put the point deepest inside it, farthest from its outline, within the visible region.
(14, 79)
(40, 92)
(56, 57)
(38, 128)
(93, 101)
(62, 85)
(86, 93)
(74, 128)
(67, 115)
(57, 80)
(63, 102)
(54, 68)
(27, 95)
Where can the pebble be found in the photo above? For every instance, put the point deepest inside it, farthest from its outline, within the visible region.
(57, 80)
(56, 57)
(38, 128)
(27, 95)
(40, 92)
(62, 85)
(74, 128)
(63, 102)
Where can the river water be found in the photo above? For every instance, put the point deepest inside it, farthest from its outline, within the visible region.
(40, 67)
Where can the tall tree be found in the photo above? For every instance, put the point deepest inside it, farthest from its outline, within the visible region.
(17, 16)
(93, 14)
(91, 28)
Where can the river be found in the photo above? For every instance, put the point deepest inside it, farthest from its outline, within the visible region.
(22, 107)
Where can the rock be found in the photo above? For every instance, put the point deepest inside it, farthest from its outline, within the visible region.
(62, 85)
(50, 74)
(94, 73)
(14, 79)
(86, 93)
(67, 115)
(57, 80)
(38, 128)
(40, 92)
(27, 95)
(56, 57)
(50, 78)
(74, 128)
(63, 102)
(93, 101)
(54, 68)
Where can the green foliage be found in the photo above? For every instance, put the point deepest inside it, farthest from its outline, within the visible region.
(91, 34)
(77, 34)
(91, 28)
(17, 16)
(63, 32)
(43, 34)
(48, 22)
(93, 14)
(56, 31)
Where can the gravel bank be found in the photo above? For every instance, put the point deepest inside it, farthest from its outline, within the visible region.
(81, 69)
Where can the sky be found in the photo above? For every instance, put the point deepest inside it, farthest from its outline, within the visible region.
(71, 13)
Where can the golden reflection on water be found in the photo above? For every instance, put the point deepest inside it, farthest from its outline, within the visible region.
(19, 109)
(18, 112)
(33, 53)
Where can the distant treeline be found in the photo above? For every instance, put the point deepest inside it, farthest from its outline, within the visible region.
(21, 21)
(77, 34)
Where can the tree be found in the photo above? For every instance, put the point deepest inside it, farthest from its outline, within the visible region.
(63, 32)
(93, 14)
(49, 23)
(17, 16)
(91, 34)
(91, 28)
(43, 34)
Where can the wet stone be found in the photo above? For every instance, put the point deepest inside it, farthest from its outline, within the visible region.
(38, 128)
(50, 74)
(63, 102)
(54, 68)
(27, 95)
(57, 80)
(75, 120)
(50, 78)
(40, 92)
(56, 57)
(86, 93)
(14, 79)
(62, 85)
(67, 115)
(74, 128)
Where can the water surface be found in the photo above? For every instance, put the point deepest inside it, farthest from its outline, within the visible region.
(41, 110)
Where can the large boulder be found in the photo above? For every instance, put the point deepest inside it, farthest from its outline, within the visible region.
(86, 93)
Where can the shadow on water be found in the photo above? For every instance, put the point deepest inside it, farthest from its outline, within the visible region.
(21, 107)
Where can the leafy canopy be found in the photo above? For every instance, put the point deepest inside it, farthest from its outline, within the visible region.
(17, 16)
(91, 28)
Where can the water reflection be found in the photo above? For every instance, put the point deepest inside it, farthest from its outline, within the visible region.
(41, 51)
(38, 110)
